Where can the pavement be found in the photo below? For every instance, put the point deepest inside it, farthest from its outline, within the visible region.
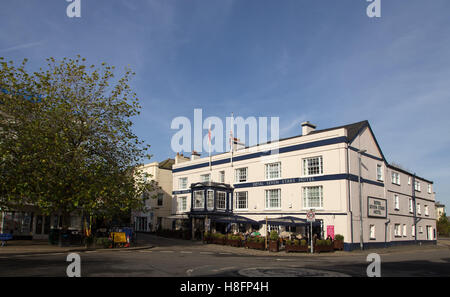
(40, 247)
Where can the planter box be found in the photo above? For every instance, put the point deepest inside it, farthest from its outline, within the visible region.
(323, 248)
(234, 242)
(296, 248)
(219, 240)
(274, 246)
(255, 245)
(338, 245)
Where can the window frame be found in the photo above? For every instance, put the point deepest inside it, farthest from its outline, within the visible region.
(306, 197)
(222, 176)
(208, 200)
(202, 179)
(397, 230)
(180, 184)
(372, 232)
(237, 175)
(267, 171)
(305, 171)
(395, 178)
(182, 204)
(203, 199)
(238, 199)
(160, 198)
(380, 175)
(268, 199)
(396, 202)
(218, 200)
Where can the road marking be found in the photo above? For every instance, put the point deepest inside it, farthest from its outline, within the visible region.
(225, 268)
(206, 253)
(166, 251)
(225, 253)
(184, 252)
(145, 251)
(90, 252)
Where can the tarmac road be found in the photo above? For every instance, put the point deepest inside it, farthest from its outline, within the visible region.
(180, 258)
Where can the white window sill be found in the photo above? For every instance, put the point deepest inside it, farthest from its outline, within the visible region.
(269, 179)
(313, 175)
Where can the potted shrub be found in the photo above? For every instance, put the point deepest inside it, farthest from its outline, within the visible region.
(256, 243)
(104, 242)
(274, 245)
(296, 246)
(323, 245)
(338, 242)
(218, 238)
(234, 240)
(207, 237)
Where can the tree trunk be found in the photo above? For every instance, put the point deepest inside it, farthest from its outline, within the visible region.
(65, 226)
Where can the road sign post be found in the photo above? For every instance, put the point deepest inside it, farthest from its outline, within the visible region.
(311, 217)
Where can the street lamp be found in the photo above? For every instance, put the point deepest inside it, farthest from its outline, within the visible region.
(360, 152)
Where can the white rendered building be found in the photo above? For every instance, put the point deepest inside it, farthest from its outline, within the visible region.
(281, 181)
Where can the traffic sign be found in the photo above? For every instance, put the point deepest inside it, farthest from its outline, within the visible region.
(311, 216)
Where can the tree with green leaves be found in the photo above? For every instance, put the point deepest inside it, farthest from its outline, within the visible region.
(66, 140)
(443, 225)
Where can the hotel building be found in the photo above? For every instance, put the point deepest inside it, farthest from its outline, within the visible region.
(341, 173)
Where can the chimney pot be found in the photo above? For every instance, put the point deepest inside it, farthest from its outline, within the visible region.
(307, 128)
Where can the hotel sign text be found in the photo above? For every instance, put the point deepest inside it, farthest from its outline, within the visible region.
(376, 207)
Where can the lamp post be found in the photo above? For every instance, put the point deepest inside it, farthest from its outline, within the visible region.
(361, 238)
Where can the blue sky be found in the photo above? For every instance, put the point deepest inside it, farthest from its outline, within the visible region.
(324, 61)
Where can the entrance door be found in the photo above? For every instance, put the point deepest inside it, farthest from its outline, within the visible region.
(429, 233)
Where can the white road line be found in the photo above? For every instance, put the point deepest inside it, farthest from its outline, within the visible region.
(145, 251)
(166, 251)
(225, 268)
(184, 252)
(206, 253)
(225, 253)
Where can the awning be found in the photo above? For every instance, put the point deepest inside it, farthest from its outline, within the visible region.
(287, 221)
(234, 219)
(178, 217)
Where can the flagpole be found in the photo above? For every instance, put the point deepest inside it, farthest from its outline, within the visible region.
(231, 138)
(209, 136)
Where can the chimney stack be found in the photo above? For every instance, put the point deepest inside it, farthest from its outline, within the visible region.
(237, 144)
(195, 155)
(307, 128)
(179, 158)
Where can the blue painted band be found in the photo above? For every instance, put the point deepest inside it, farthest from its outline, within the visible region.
(281, 150)
(295, 180)
(365, 154)
(305, 180)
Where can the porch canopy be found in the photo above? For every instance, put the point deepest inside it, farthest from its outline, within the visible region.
(288, 221)
(234, 219)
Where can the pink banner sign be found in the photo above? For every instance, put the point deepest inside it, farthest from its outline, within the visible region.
(330, 231)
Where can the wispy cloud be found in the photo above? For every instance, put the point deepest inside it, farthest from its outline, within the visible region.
(22, 46)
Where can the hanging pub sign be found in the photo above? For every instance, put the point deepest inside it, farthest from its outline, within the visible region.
(376, 207)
